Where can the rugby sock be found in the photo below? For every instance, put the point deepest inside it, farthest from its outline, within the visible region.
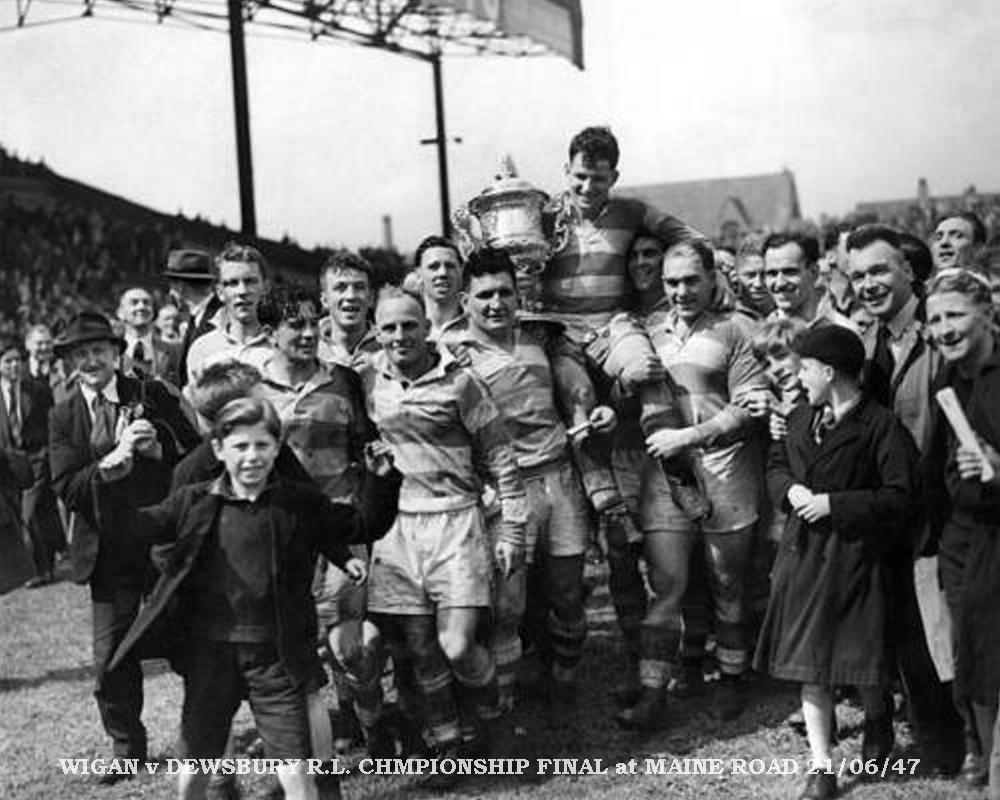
(566, 637)
(657, 649)
(364, 678)
(476, 678)
(730, 648)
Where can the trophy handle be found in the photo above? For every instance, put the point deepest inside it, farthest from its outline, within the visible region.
(467, 235)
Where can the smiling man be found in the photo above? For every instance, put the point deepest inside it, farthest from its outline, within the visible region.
(146, 353)
(791, 272)
(585, 282)
(955, 240)
(708, 353)
(431, 574)
(323, 420)
(347, 294)
(900, 373)
(524, 366)
(240, 278)
(112, 445)
(438, 266)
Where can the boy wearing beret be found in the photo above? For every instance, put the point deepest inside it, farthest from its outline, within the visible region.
(846, 475)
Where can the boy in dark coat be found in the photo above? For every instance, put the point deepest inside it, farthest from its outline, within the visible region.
(845, 474)
(242, 568)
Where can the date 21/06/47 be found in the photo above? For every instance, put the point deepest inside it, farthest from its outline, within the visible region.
(857, 766)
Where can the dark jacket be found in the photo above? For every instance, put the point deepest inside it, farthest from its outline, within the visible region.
(377, 500)
(205, 324)
(827, 620)
(103, 548)
(34, 403)
(977, 505)
(304, 523)
(15, 558)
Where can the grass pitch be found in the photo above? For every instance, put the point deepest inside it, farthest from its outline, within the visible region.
(48, 714)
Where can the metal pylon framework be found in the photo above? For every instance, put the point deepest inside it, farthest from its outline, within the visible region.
(424, 29)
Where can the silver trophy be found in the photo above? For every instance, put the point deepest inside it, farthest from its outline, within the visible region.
(508, 216)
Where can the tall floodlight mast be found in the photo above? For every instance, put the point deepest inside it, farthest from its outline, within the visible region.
(423, 29)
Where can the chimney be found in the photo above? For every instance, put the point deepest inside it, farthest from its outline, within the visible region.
(923, 193)
(387, 232)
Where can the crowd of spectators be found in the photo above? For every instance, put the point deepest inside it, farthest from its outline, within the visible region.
(59, 254)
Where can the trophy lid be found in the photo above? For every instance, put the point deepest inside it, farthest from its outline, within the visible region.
(506, 182)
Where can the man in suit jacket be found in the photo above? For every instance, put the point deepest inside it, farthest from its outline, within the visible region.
(112, 445)
(24, 414)
(192, 284)
(900, 370)
(146, 354)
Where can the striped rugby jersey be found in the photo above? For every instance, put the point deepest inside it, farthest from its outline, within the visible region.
(586, 282)
(447, 437)
(711, 364)
(521, 383)
(332, 352)
(325, 424)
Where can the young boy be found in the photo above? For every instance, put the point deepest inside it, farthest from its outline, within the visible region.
(845, 474)
(241, 570)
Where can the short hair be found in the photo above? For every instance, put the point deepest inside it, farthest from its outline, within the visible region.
(963, 281)
(699, 247)
(751, 245)
(9, 343)
(865, 235)
(831, 236)
(132, 287)
(344, 259)
(221, 383)
(978, 228)
(595, 143)
(489, 261)
(776, 338)
(645, 233)
(432, 241)
(36, 329)
(392, 292)
(240, 254)
(809, 245)
(244, 412)
(917, 255)
(285, 302)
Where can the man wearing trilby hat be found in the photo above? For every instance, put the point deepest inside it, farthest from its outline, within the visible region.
(112, 445)
(192, 284)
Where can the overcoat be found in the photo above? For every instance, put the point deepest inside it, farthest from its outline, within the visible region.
(102, 548)
(302, 522)
(978, 507)
(828, 614)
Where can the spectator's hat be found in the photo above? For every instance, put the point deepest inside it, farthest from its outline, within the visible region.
(87, 326)
(835, 345)
(189, 265)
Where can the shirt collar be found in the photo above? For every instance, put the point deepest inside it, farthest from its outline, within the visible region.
(260, 338)
(222, 487)
(905, 317)
(110, 392)
(320, 377)
(444, 364)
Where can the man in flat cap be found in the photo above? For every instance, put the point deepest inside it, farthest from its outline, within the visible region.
(112, 446)
(192, 284)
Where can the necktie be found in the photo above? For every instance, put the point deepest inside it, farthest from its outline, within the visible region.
(102, 434)
(823, 422)
(882, 367)
(14, 414)
(138, 352)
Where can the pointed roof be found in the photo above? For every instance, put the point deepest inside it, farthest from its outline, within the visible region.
(753, 202)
